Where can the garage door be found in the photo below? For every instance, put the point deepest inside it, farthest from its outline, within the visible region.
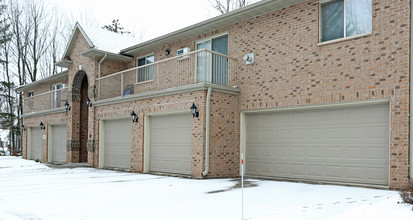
(117, 143)
(35, 143)
(59, 139)
(170, 144)
(342, 144)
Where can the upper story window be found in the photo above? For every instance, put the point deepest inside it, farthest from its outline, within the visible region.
(345, 18)
(30, 94)
(145, 73)
(57, 99)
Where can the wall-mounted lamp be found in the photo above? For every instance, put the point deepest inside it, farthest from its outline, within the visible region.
(194, 111)
(42, 127)
(88, 104)
(67, 107)
(167, 52)
(134, 117)
(22, 128)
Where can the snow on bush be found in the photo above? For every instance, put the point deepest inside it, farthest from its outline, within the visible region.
(407, 194)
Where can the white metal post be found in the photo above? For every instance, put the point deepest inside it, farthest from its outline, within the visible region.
(242, 185)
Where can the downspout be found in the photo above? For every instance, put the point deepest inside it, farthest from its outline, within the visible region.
(411, 96)
(100, 62)
(207, 119)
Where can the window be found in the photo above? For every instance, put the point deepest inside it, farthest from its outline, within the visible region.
(30, 94)
(57, 95)
(212, 67)
(345, 18)
(145, 73)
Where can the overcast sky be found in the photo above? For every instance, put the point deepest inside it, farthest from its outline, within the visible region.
(146, 19)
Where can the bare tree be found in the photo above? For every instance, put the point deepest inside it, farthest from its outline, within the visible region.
(225, 6)
(8, 115)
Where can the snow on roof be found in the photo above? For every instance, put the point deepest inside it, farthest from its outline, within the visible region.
(108, 41)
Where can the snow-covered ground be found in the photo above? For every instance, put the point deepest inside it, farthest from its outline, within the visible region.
(29, 190)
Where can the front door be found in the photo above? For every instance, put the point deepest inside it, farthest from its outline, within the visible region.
(213, 67)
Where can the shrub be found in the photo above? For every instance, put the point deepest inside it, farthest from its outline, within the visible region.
(407, 194)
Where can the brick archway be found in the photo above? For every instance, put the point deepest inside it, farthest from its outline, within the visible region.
(77, 85)
(80, 117)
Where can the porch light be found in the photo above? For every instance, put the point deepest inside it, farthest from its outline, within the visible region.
(134, 117)
(88, 104)
(167, 52)
(22, 128)
(194, 111)
(67, 107)
(42, 127)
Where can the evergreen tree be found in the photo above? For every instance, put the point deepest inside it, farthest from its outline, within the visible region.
(7, 112)
(115, 27)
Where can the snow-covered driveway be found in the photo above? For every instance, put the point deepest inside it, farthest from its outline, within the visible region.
(29, 190)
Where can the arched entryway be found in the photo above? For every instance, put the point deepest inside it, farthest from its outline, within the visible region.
(80, 116)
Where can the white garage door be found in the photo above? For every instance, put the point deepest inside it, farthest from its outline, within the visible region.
(35, 143)
(59, 139)
(117, 143)
(170, 144)
(341, 144)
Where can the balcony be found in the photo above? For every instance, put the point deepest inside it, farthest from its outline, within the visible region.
(55, 99)
(191, 68)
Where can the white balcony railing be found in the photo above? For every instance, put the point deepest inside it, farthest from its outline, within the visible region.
(45, 101)
(198, 66)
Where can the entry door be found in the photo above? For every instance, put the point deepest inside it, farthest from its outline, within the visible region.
(212, 67)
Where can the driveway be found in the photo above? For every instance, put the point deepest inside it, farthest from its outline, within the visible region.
(30, 190)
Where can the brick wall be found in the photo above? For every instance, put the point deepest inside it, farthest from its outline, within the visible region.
(291, 69)
(171, 103)
(47, 120)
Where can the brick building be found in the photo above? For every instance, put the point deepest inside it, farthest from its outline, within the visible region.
(307, 90)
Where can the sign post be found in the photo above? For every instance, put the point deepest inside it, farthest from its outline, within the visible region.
(242, 185)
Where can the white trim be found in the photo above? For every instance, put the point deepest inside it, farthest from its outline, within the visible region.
(179, 112)
(147, 135)
(345, 37)
(389, 144)
(29, 143)
(203, 40)
(331, 105)
(146, 144)
(210, 38)
(101, 144)
(30, 91)
(137, 65)
(166, 92)
(144, 82)
(49, 143)
(102, 138)
(44, 112)
(243, 123)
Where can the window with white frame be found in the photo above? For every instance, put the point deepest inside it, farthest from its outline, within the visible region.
(57, 95)
(146, 72)
(345, 18)
(30, 94)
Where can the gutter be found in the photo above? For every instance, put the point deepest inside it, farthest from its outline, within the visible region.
(100, 62)
(207, 120)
